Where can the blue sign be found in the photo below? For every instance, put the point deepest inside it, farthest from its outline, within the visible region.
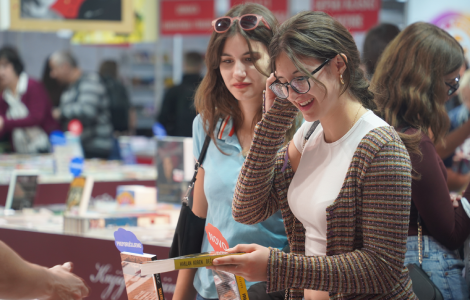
(57, 138)
(76, 166)
(126, 241)
(159, 130)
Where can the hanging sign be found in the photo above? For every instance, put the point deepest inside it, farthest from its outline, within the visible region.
(355, 15)
(186, 17)
(279, 8)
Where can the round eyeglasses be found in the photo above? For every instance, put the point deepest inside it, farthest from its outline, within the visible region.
(301, 85)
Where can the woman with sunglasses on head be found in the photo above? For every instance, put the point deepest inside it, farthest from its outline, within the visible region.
(229, 103)
(417, 73)
(344, 191)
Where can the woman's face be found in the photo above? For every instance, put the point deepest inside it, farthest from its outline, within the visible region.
(7, 74)
(316, 103)
(238, 70)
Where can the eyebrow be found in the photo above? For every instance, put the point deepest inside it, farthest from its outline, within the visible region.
(254, 52)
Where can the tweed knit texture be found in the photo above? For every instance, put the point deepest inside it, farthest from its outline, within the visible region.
(367, 225)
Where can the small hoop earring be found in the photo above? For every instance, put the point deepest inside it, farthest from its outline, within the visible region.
(341, 79)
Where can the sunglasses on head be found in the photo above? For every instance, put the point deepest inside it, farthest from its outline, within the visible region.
(246, 22)
(453, 88)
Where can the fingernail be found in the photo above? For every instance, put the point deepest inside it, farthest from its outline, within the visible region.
(215, 262)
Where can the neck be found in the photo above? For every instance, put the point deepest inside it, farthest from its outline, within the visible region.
(341, 118)
(249, 110)
(12, 86)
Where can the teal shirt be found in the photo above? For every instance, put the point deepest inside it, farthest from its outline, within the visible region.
(221, 174)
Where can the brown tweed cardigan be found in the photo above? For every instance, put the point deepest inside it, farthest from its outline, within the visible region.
(367, 225)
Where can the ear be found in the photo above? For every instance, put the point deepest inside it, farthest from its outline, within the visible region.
(338, 63)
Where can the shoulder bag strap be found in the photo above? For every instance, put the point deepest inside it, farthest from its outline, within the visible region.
(202, 155)
(309, 133)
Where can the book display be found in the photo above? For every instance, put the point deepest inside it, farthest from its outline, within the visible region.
(91, 221)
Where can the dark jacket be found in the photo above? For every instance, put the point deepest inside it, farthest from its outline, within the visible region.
(178, 112)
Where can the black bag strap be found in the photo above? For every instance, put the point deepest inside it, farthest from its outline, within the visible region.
(199, 161)
(309, 132)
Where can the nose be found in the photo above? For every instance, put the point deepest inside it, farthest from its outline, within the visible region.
(293, 95)
(239, 71)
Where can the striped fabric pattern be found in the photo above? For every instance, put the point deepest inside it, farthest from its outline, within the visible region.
(367, 225)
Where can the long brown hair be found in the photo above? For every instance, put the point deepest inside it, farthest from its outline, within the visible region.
(319, 36)
(408, 81)
(212, 99)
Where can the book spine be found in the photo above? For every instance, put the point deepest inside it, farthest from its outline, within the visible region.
(195, 262)
(158, 283)
(243, 292)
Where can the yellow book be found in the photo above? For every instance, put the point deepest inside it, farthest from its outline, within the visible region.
(182, 262)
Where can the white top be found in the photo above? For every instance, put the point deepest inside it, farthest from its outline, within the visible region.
(320, 175)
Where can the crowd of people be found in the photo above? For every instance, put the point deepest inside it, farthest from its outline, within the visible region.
(332, 172)
(31, 110)
(361, 186)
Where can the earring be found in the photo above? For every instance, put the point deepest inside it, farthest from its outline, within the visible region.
(341, 79)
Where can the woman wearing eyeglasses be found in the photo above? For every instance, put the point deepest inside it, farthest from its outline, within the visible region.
(344, 191)
(417, 73)
(229, 103)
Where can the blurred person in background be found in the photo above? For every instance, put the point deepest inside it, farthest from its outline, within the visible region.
(178, 112)
(85, 99)
(20, 279)
(417, 73)
(53, 87)
(119, 102)
(25, 108)
(376, 40)
(122, 115)
(458, 163)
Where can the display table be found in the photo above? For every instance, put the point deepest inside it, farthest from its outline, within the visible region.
(38, 236)
(53, 188)
(39, 239)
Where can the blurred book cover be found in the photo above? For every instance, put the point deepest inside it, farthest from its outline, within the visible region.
(22, 191)
(79, 195)
(175, 167)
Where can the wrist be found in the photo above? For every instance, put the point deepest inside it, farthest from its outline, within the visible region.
(48, 282)
(42, 282)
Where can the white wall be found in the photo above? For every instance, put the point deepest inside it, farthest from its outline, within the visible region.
(453, 16)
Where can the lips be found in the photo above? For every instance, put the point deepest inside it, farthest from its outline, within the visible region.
(241, 85)
(305, 104)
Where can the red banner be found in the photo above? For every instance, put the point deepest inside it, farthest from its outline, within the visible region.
(279, 8)
(355, 15)
(186, 17)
